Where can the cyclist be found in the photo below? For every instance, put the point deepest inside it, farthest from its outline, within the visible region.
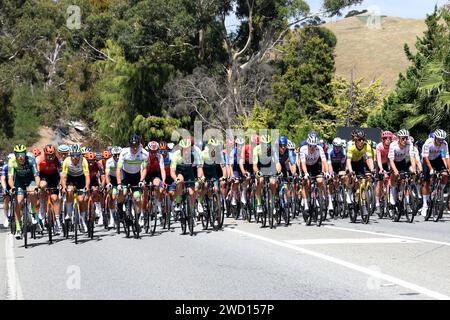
(165, 149)
(186, 163)
(63, 153)
(75, 173)
(435, 157)
(156, 175)
(23, 176)
(265, 163)
(97, 176)
(245, 167)
(36, 152)
(111, 182)
(399, 151)
(313, 163)
(418, 161)
(235, 171)
(133, 165)
(213, 161)
(336, 167)
(48, 167)
(383, 165)
(359, 159)
(287, 162)
(5, 189)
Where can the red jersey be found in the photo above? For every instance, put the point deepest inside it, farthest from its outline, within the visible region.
(47, 167)
(155, 163)
(96, 168)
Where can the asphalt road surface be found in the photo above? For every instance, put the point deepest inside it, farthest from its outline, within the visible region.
(340, 260)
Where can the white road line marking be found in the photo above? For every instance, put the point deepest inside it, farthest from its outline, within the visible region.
(390, 235)
(372, 273)
(351, 241)
(14, 291)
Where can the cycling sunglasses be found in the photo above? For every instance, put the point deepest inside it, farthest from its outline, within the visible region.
(403, 138)
(440, 140)
(75, 155)
(282, 146)
(21, 154)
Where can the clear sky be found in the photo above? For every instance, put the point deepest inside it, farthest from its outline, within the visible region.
(413, 9)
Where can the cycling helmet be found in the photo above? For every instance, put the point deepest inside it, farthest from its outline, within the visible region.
(10, 156)
(63, 148)
(344, 143)
(290, 145)
(134, 139)
(75, 149)
(440, 134)
(239, 141)
(116, 150)
(374, 144)
(185, 143)
(36, 152)
(49, 149)
(163, 146)
(337, 142)
(106, 155)
(20, 148)
(387, 134)
(84, 150)
(359, 134)
(411, 139)
(282, 140)
(90, 156)
(170, 145)
(213, 142)
(266, 139)
(313, 134)
(255, 139)
(153, 146)
(312, 141)
(403, 133)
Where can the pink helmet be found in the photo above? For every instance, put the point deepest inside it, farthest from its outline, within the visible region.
(387, 134)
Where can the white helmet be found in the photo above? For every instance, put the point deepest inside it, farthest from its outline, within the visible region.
(312, 141)
(440, 134)
(403, 133)
(290, 145)
(411, 139)
(116, 150)
(170, 145)
(239, 141)
(337, 142)
(10, 156)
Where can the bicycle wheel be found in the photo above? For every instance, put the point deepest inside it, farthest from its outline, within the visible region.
(91, 220)
(320, 208)
(76, 221)
(167, 212)
(49, 224)
(25, 224)
(191, 217)
(183, 218)
(204, 217)
(352, 212)
(252, 206)
(365, 205)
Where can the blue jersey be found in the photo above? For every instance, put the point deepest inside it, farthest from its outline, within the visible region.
(334, 157)
(4, 170)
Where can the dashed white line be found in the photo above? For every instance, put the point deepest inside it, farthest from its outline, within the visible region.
(370, 272)
(390, 235)
(14, 290)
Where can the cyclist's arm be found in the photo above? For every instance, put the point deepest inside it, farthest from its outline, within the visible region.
(255, 158)
(379, 160)
(349, 164)
(11, 168)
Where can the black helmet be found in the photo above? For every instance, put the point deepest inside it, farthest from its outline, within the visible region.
(134, 139)
(359, 134)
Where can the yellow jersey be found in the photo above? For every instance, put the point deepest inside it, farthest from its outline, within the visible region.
(75, 170)
(354, 154)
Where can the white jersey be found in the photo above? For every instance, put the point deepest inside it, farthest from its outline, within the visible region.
(111, 166)
(132, 163)
(400, 154)
(433, 152)
(312, 158)
(416, 154)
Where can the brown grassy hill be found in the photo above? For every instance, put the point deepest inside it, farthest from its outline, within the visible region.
(374, 53)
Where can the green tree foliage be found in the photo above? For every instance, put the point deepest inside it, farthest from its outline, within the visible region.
(304, 72)
(350, 106)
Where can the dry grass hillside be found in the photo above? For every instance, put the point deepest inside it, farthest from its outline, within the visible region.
(374, 53)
